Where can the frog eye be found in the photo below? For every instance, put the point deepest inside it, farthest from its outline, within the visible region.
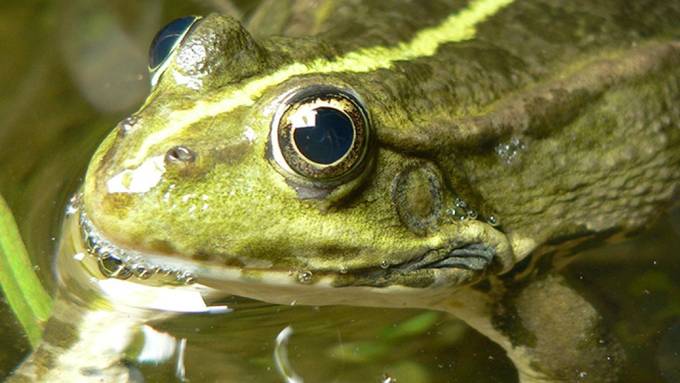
(320, 133)
(165, 42)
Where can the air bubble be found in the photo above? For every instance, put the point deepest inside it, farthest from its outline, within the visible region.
(90, 241)
(141, 271)
(304, 276)
(492, 220)
(72, 205)
(113, 267)
(460, 203)
(510, 151)
(185, 277)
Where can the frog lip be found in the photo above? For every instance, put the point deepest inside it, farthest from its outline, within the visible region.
(469, 259)
(451, 265)
(116, 262)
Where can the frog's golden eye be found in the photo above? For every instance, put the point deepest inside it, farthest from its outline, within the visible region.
(165, 43)
(320, 133)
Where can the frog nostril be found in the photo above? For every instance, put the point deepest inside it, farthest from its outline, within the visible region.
(178, 154)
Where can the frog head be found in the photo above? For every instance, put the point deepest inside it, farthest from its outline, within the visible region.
(253, 159)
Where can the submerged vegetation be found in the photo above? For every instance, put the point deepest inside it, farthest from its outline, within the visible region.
(20, 285)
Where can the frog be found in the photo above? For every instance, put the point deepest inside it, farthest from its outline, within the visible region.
(436, 155)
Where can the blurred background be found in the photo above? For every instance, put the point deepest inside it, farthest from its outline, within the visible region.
(69, 70)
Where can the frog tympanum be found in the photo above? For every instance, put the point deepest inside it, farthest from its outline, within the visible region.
(440, 155)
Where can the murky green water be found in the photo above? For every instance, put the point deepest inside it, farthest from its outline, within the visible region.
(71, 69)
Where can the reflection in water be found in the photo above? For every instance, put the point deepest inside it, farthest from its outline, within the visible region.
(180, 370)
(331, 344)
(281, 357)
(158, 346)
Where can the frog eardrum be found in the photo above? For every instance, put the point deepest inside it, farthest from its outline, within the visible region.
(320, 133)
(165, 43)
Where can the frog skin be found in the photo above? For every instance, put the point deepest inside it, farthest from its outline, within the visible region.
(492, 139)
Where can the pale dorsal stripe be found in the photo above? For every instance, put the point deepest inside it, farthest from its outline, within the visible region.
(459, 26)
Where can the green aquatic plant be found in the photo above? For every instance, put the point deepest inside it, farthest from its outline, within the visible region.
(20, 285)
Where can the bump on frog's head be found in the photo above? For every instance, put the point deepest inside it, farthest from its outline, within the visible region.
(200, 52)
(263, 169)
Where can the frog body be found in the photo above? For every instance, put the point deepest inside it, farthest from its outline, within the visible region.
(469, 143)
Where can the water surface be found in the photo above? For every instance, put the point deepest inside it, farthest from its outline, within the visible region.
(72, 69)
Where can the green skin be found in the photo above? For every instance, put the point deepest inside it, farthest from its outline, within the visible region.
(560, 122)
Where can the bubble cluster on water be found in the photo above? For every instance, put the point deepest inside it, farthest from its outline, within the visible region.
(462, 211)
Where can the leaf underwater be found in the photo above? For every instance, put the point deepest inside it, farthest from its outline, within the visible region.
(20, 285)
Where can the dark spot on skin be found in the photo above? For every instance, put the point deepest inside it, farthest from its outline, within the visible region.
(179, 154)
(90, 371)
(506, 320)
(162, 246)
(382, 278)
(201, 256)
(416, 195)
(117, 204)
(484, 286)
(46, 358)
(59, 334)
(232, 154)
(233, 262)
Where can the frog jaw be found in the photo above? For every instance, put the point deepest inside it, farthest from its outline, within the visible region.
(449, 265)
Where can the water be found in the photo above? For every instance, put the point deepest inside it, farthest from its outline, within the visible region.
(59, 111)
(328, 344)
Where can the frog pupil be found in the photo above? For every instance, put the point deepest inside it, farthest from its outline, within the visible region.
(327, 139)
(165, 40)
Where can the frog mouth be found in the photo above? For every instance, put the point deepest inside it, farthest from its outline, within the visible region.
(115, 262)
(456, 263)
(453, 265)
